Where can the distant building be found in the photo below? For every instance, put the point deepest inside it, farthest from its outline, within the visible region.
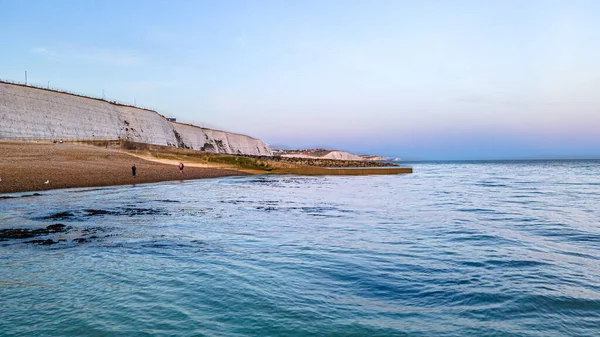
(172, 119)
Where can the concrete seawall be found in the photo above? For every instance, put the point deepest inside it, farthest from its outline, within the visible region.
(34, 113)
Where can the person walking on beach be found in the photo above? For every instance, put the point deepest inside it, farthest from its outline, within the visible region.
(181, 167)
(133, 169)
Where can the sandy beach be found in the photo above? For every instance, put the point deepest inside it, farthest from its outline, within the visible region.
(43, 166)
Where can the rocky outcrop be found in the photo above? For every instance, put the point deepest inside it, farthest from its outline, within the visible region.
(35, 113)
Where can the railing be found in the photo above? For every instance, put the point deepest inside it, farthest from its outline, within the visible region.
(59, 139)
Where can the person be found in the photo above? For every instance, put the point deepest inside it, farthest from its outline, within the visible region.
(181, 167)
(133, 169)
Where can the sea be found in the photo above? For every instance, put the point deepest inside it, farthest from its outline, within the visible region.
(505, 248)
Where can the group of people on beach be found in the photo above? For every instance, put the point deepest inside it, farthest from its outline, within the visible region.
(134, 169)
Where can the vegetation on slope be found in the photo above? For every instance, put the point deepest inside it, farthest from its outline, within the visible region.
(256, 164)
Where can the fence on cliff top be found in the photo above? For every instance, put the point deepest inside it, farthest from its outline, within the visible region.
(59, 139)
(113, 102)
(66, 92)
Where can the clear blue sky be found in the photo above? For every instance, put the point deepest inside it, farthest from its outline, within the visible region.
(414, 79)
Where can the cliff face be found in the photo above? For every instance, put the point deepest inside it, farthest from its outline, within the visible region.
(219, 141)
(341, 155)
(27, 112)
(319, 154)
(373, 158)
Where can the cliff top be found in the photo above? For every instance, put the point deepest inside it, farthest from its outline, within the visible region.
(65, 92)
(196, 126)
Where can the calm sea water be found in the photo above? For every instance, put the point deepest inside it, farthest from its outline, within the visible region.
(455, 249)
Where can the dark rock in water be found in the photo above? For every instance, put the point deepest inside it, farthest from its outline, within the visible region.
(92, 212)
(24, 233)
(142, 211)
(56, 228)
(42, 242)
(94, 230)
(266, 208)
(59, 216)
(79, 215)
(30, 195)
(81, 240)
(15, 233)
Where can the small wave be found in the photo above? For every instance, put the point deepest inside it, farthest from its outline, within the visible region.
(518, 264)
(476, 210)
(559, 305)
(491, 185)
(20, 196)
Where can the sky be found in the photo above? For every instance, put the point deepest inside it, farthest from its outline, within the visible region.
(420, 80)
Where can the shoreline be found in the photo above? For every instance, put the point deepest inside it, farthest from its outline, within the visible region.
(45, 165)
(32, 167)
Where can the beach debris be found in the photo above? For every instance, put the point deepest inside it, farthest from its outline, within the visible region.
(47, 182)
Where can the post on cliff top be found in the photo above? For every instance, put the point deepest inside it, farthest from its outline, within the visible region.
(25, 77)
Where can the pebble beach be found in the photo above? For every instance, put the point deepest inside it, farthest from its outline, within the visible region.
(38, 166)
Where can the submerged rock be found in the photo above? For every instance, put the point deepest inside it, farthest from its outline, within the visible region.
(79, 215)
(59, 216)
(24, 233)
(92, 212)
(30, 195)
(42, 242)
(15, 233)
(56, 228)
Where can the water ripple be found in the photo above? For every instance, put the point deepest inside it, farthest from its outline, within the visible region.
(455, 249)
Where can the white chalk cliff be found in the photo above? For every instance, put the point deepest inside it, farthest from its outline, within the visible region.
(33, 113)
(210, 140)
(320, 154)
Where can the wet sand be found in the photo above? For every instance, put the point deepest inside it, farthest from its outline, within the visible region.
(28, 166)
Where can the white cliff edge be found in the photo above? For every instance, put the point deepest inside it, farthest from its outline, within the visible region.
(34, 113)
